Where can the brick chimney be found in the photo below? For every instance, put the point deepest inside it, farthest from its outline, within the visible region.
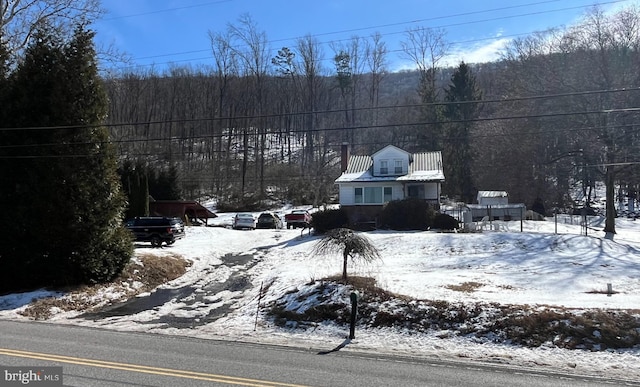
(344, 156)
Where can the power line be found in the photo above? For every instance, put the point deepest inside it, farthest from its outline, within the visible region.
(335, 111)
(399, 32)
(167, 10)
(220, 136)
(370, 27)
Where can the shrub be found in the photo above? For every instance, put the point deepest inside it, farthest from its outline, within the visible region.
(407, 214)
(444, 222)
(538, 206)
(324, 221)
(105, 258)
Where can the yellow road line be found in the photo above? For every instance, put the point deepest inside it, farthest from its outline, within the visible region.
(145, 369)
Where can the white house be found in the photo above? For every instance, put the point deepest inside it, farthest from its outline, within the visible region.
(368, 182)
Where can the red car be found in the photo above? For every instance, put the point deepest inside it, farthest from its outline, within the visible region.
(298, 218)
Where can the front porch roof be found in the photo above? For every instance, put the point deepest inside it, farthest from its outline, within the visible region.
(366, 176)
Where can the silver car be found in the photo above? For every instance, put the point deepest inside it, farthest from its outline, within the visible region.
(244, 220)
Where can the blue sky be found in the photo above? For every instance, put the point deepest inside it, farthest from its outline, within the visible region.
(159, 32)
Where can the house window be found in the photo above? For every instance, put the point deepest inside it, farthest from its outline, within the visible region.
(398, 167)
(372, 195)
(387, 194)
(384, 167)
(358, 195)
(416, 191)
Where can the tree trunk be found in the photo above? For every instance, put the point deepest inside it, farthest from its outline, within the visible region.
(345, 258)
(610, 222)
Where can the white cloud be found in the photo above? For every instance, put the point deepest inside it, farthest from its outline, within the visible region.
(478, 53)
(481, 51)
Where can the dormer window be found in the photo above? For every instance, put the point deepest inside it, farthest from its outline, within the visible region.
(398, 167)
(384, 167)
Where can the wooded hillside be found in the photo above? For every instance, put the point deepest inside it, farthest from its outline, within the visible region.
(558, 112)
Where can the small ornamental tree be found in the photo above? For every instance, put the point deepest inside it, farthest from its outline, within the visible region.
(350, 244)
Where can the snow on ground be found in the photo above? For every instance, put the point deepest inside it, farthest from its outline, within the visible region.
(219, 297)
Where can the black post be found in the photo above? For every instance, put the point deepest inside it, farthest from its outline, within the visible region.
(354, 311)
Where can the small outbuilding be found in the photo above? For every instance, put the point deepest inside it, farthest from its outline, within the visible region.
(494, 205)
(488, 198)
(189, 211)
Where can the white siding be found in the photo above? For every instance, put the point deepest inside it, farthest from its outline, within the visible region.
(431, 191)
(398, 192)
(490, 198)
(347, 194)
(390, 154)
(493, 201)
(347, 191)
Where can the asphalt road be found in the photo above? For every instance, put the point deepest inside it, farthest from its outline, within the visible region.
(97, 357)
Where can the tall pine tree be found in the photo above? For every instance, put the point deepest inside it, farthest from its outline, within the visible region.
(457, 150)
(63, 191)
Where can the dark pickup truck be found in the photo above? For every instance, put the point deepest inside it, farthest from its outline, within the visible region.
(156, 229)
(298, 218)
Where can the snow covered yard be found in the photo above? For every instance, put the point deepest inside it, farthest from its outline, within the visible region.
(238, 278)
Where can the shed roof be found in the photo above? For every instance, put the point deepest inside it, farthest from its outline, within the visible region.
(492, 194)
(178, 208)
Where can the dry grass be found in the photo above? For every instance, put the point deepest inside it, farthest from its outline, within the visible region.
(593, 330)
(367, 286)
(135, 278)
(154, 270)
(465, 287)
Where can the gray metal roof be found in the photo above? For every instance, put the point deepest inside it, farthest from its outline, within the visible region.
(425, 166)
(426, 161)
(492, 194)
(359, 164)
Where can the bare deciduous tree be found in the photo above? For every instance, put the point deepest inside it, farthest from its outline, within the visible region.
(20, 18)
(251, 46)
(376, 58)
(226, 73)
(310, 54)
(426, 48)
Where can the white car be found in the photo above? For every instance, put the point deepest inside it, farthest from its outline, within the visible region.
(244, 220)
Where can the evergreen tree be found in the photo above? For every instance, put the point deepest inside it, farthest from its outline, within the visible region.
(4, 60)
(457, 152)
(4, 72)
(135, 183)
(64, 191)
(164, 185)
